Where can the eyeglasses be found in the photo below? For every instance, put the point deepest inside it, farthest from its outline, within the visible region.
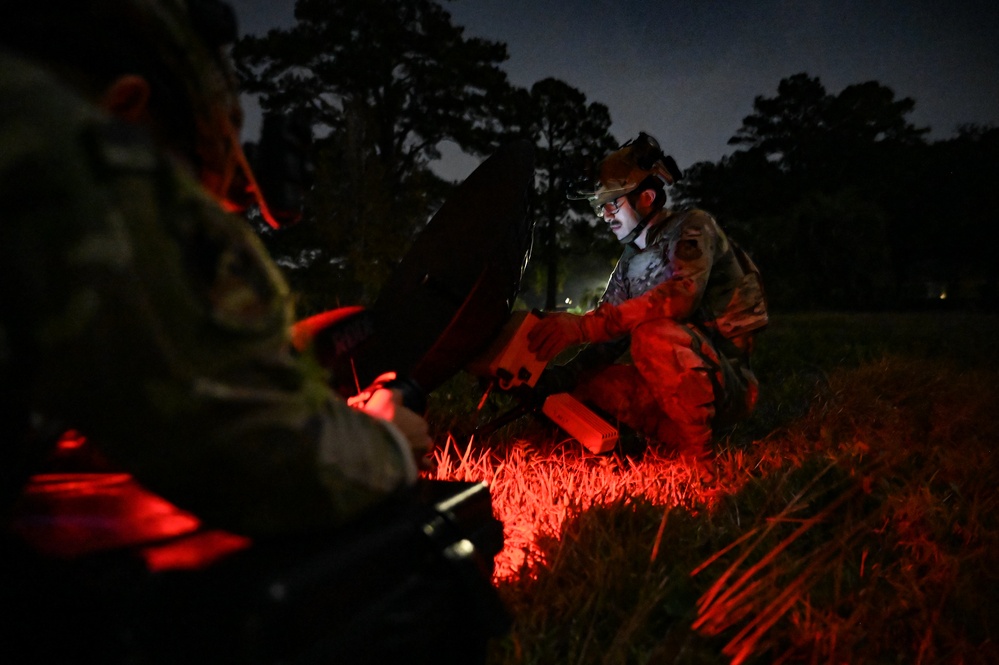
(610, 207)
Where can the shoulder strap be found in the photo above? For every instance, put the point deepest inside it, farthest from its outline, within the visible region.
(749, 267)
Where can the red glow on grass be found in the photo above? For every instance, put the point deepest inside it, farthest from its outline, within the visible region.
(536, 489)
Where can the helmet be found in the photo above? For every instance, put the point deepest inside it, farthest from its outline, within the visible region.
(624, 170)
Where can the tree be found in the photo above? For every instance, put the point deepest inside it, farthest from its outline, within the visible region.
(954, 199)
(824, 184)
(787, 128)
(740, 187)
(567, 131)
(815, 137)
(384, 83)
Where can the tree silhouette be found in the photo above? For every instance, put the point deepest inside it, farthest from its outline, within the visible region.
(568, 132)
(821, 190)
(384, 83)
(953, 209)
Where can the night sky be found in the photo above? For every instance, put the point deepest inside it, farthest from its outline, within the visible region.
(687, 72)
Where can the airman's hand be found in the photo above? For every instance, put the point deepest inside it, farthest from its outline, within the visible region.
(386, 403)
(554, 333)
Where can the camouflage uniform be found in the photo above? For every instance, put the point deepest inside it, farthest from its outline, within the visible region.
(138, 312)
(689, 304)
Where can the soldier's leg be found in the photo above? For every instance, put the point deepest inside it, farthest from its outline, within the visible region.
(622, 393)
(681, 369)
(619, 391)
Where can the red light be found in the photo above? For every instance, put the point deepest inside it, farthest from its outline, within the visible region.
(193, 552)
(68, 515)
(71, 440)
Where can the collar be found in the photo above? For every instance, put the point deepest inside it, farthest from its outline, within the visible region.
(654, 218)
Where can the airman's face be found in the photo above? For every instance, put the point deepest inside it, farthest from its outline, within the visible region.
(620, 216)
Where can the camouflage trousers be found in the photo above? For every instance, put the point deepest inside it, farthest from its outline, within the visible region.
(675, 387)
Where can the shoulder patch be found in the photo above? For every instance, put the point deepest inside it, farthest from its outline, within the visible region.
(688, 250)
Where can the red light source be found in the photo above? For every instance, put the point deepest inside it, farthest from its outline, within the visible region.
(69, 515)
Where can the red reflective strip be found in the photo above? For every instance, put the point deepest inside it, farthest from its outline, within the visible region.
(193, 552)
(68, 515)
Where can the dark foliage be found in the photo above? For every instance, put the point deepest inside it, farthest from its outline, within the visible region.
(845, 205)
(568, 132)
(384, 83)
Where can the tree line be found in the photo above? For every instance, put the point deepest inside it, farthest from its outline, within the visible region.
(839, 198)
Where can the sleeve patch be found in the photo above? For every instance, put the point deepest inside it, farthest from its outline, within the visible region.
(688, 250)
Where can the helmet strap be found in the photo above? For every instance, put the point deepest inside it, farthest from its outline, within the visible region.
(637, 231)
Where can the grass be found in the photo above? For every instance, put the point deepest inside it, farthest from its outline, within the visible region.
(852, 519)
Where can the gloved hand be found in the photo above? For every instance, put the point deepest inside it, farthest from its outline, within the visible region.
(555, 333)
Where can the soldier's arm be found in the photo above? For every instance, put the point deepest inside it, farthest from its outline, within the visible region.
(159, 328)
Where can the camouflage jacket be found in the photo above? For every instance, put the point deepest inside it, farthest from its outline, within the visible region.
(138, 312)
(689, 271)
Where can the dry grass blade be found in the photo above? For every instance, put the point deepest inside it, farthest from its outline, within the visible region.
(659, 537)
(718, 593)
(726, 605)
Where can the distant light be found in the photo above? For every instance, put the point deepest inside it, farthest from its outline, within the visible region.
(568, 301)
(943, 295)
